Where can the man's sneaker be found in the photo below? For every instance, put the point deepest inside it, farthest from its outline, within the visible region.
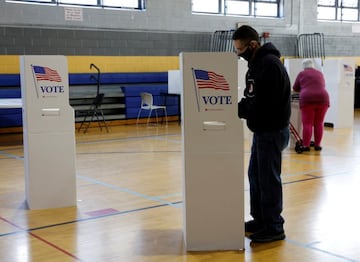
(265, 235)
(252, 226)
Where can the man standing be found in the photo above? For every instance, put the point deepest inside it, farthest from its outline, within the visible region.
(266, 108)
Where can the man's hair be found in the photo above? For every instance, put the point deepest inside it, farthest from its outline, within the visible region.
(246, 33)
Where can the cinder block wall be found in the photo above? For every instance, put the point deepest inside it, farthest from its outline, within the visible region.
(165, 28)
(42, 41)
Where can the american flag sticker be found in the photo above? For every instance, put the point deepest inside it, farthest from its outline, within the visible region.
(209, 79)
(46, 74)
(210, 88)
(347, 68)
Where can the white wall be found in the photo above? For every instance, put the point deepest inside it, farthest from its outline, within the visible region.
(175, 16)
(162, 15)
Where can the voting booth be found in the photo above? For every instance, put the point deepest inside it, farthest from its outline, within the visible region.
(340, 83)
(339, 74)
(49, 132)
(174, 82)
(213, 157)
(242, 69)
(241, 74)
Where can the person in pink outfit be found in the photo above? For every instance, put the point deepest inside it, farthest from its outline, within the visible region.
(314, 103)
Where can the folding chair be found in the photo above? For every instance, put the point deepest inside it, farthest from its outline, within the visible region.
(147, 103)
(95, 110)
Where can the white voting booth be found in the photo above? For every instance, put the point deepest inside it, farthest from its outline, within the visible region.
(174, 82)
(339, 76)
(49, 132)
(242, 69)
(294, 66)
(213, 187)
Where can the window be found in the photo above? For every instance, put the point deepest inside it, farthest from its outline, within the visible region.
(341, 10)
(122, 3)
(238, 7)
(266, 8)
(208, 6)
(78, 2)
(37, 1)
(128, 4)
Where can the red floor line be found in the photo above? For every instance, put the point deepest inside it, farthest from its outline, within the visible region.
(41, 239)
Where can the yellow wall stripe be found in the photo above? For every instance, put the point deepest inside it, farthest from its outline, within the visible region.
(10, 64)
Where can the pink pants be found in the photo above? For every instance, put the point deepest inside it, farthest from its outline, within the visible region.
(313, 116)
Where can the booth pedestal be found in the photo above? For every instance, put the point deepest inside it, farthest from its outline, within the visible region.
(45, 186)
(213, 178)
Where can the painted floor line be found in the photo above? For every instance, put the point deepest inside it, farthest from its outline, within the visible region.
(11, 155)
(21, 230)
(42, 239)
(124, 139)
(312, 247)
(129, 152)
(122, 189)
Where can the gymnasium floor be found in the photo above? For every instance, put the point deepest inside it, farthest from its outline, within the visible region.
(129, 205)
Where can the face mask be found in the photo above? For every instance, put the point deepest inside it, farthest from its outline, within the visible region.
(247, 55)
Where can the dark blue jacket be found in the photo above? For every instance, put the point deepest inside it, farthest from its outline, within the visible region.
(266, 103)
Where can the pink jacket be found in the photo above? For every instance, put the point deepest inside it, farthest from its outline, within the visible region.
(311, 84)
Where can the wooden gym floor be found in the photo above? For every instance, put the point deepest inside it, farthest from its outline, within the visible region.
(129, 204)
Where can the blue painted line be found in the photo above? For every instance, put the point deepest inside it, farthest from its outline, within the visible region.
(170, 195)
(126, 138)
(129, 152)
(11, 233)
(179, 204)
(307, 173)
(122, 189)
(11, 155)
(312, 247)
(55, 225)
(163, 138)
(89, 218)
